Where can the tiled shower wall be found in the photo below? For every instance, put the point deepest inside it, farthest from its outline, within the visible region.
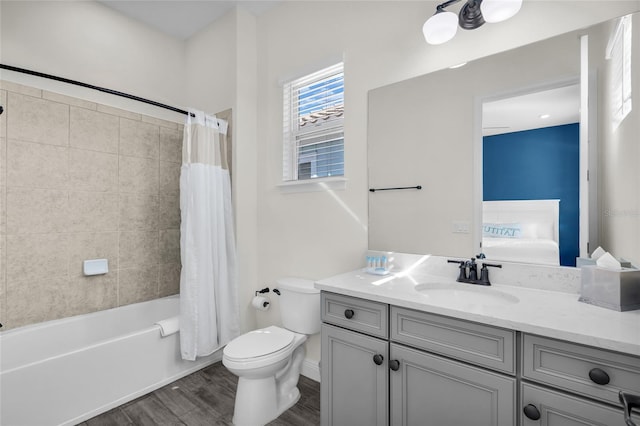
(78, 181)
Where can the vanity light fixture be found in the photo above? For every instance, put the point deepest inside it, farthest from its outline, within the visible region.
(443, 25)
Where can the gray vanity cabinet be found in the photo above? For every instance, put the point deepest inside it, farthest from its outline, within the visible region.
(581, 375)
(369, 377)
(553, 408)
(427, 389)
(354, 377)
(358, 391)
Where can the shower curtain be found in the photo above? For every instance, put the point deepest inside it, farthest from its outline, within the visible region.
(209, 313)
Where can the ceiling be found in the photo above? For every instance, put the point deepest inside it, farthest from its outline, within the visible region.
(183, 18)
(562, 105)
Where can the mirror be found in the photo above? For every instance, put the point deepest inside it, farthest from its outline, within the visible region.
(427, 131)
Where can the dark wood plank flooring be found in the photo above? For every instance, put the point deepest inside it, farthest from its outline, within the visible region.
(205, 397)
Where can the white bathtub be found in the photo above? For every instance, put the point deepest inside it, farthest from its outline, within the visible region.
(66, 371)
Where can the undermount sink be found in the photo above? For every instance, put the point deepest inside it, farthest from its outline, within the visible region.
(464, 295)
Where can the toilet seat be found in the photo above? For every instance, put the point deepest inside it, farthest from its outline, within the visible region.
(259, 345)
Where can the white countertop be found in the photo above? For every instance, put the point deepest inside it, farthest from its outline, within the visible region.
(547, 313)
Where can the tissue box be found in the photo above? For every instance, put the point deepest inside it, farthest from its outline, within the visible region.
(585, 261)
(617, 290)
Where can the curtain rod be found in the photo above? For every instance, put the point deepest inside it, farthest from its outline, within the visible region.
(91, 86)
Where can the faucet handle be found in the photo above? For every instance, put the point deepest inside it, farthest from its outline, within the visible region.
(484, 273)
(462, 265)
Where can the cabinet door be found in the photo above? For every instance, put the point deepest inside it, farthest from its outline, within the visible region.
(353, 388)
(429, 390)
(553, 408)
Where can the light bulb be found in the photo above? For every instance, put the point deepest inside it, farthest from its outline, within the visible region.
(499, 10)
(440, 28)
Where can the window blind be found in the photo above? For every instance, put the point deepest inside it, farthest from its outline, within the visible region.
(313, 125)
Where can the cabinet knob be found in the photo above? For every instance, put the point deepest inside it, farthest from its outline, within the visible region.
(348, 313)
(394, 364)
(377, 359)
(531, 411)
(599, 376)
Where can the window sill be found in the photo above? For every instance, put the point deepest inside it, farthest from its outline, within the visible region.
(313, 185)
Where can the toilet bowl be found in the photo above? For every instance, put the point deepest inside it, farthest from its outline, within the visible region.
(268, 361)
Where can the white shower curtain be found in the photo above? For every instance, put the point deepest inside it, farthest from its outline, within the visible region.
(209, 313)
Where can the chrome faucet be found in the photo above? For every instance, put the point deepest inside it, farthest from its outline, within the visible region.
(468, 271)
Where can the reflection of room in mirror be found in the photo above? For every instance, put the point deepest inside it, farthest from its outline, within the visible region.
(438, 134)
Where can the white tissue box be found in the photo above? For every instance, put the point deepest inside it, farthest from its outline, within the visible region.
(617, 290)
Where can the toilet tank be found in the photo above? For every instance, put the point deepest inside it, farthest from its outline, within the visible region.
(299, 305)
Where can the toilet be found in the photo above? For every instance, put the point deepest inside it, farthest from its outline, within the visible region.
(268, 361)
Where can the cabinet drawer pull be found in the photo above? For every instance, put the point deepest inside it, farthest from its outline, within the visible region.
(394, 364)
(599, 376)
(531, 411)
(377, 359)
(348, 313)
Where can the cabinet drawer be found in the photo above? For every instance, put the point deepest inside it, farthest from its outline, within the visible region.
(569, 365)
(356, 314)
(557, 408)
(483, 345)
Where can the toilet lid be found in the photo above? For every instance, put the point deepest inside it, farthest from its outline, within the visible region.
(258, 343)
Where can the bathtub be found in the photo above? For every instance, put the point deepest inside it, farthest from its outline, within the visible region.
(66, 371)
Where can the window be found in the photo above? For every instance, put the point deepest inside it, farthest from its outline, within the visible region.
(313, 125)
(619, 53)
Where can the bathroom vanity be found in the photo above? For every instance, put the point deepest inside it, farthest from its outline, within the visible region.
(417, 348)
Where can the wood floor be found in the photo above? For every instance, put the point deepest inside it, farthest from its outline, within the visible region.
(205, 397)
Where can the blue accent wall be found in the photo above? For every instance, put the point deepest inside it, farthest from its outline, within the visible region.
(538, 164)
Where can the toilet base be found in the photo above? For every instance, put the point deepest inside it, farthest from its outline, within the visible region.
(259, 399)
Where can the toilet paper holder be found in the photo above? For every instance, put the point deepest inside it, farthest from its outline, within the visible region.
(263, 291)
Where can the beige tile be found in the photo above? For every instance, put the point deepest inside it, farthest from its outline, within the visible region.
(170, 145)
(10, 86)
(138, 212)
(30, 302)
(37, 120)
(3, 210)
(169, 217)
(92, 211)
(170, 246)
(93, 171)
(93, 130)
(3, 116)
(169, 178)
(137, 284)
(119, 112)
(169, 281)
(137, 249)
(138, 139)
(32, 211)
(159, 122)
(64, 99)
(3, 279)
(3, 161)
(86, 246)
(138, 175)
(37, 165)
(36, 257)
(92, 294)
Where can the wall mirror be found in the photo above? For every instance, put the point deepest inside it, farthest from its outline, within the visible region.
(428, 131)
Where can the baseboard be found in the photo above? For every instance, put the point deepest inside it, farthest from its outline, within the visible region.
(311, 369)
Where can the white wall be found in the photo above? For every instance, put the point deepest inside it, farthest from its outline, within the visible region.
(88, 42)
(321, 234)
(619, 159)
(306, 234)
